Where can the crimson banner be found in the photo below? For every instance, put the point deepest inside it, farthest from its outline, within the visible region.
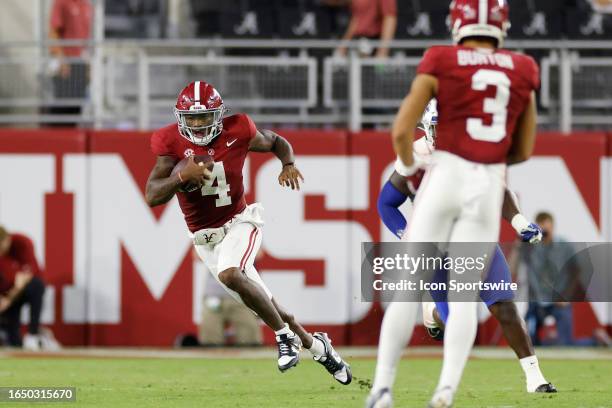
(120, 273)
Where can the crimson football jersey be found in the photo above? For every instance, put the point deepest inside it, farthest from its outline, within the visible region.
(222, 197)
(481, 94)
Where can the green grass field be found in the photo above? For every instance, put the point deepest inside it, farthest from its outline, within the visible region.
(200, 382)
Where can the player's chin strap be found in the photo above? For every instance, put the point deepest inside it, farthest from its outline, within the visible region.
(404, 170)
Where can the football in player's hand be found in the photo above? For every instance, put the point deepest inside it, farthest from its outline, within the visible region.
(189, 185)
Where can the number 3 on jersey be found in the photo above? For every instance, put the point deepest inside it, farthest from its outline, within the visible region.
(221, 189)
(497, 107)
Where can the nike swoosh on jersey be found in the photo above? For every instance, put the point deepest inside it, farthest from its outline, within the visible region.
(228, 144)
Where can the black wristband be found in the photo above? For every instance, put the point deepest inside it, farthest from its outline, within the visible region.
(289, 164)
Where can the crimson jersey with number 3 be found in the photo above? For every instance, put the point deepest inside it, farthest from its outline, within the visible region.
(222, 197)
(481, 95)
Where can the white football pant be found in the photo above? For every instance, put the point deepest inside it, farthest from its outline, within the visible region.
(237, 250)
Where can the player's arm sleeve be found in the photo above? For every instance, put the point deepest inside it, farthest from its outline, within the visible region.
(160, 145)
(389, 201)
(429, 64)
(249, 125)
(534, 76)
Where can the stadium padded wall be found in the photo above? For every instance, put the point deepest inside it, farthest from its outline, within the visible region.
(120, 273)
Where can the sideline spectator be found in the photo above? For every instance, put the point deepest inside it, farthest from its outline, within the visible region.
(70, 20)
(554, 281)
(371, 20)
(20, 284)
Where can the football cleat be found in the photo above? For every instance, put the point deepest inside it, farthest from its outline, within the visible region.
(442, 398)
(332, 361)
(433, 328)
(289, 347)
(546, 388)
(380, 399)
(435, 333)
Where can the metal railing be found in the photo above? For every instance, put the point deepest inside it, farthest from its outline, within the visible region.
(133, 83)
(254, 82)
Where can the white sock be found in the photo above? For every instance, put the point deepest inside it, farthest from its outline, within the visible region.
(395, 332)
(318, 348)
(284, 330)
(459, 338)
(533, 375)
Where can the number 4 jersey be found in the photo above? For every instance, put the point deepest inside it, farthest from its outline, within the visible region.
(222, 197)
(481, 95)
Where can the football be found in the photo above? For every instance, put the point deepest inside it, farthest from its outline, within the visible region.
(190, 187)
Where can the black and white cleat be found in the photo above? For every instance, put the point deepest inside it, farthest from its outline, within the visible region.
(546, 388)
(435, 333)
(289, 347)
(332, 361)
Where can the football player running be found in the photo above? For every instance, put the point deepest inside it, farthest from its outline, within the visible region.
(487, 120)
(226, 232)
(500, 302)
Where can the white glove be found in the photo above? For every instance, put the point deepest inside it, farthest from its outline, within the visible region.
(404, 170)
(529, 232)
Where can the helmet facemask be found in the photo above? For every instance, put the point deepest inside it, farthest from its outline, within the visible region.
(429, 121)
(430, 134)
(200, 125)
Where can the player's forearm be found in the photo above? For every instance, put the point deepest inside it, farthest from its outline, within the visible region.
(402, 135)
(511, 212)
(423, 88)
(510, 206)
(282, 149)
(523, 140)
(402, 144)
(160, 191)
